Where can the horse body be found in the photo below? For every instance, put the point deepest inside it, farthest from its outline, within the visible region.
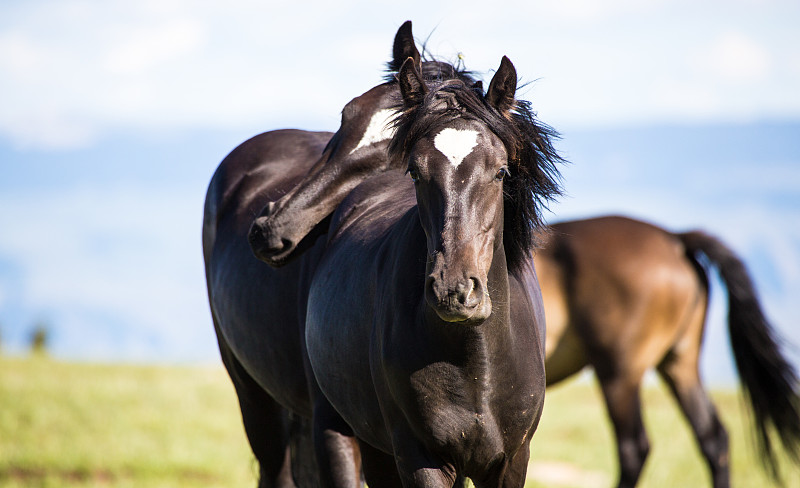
(618, 292)
(624, 297)
(425, 340)
(424, 336)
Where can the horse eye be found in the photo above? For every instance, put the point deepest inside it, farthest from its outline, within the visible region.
(501, 174)
(412, 172)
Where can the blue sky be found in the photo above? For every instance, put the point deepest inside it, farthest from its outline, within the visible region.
(115, 114)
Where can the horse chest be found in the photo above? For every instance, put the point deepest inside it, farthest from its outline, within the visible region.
(458, 414)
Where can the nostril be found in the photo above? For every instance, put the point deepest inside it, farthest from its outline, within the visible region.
(465, 291)
(475, 295)
(256, 234)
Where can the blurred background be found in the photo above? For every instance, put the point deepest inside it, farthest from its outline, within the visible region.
(114, 115)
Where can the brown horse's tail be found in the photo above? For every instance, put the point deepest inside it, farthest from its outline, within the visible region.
(768, 379)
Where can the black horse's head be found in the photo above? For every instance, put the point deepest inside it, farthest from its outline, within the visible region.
(356, 151)
(480, 165)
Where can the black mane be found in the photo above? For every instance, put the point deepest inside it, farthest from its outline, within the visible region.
(532, 159)
(432, 70)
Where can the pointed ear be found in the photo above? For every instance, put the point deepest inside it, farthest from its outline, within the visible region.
(411, 84)
(404, 47)
(503, 87)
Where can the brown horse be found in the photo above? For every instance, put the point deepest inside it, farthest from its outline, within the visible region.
(623, 296)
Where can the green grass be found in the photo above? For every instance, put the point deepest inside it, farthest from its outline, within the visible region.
(574, 431)
(81, 425)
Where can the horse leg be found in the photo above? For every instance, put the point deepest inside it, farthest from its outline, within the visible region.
(416, 466)
(624, 409)
(517, 469)
(380, 469)
(304, 462)
(427, 476)
(265, 423)
(336, 447)
(680, 373)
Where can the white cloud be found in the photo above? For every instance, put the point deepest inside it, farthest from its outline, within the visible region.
(144, 48)
(19, 56)
(175, 65)
(736, 57)
(589, 10)
(49, 129)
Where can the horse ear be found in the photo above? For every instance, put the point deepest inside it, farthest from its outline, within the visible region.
(404, 47)
(411, 84)
(503, 87)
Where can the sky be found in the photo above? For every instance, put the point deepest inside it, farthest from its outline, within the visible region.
(114, 115)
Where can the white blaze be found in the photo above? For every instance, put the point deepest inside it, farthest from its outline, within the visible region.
(379, 129)
(455, 144)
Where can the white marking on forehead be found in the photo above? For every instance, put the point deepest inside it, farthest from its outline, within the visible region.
(379, 129)
(456, 144)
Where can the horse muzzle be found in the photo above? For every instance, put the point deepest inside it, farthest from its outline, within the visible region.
(268, 242)
(465, 300)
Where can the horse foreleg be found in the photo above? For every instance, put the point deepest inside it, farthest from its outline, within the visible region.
(336, 448)
(624, 409)
(517, 468)
(417, 467)
(505, 472)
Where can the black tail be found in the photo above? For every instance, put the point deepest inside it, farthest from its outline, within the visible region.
(769, 381)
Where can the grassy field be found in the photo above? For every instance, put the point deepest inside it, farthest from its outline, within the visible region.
(80, 425)
(574, 445)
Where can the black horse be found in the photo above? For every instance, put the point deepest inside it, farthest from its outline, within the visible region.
(258, 310)
(425, 325)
